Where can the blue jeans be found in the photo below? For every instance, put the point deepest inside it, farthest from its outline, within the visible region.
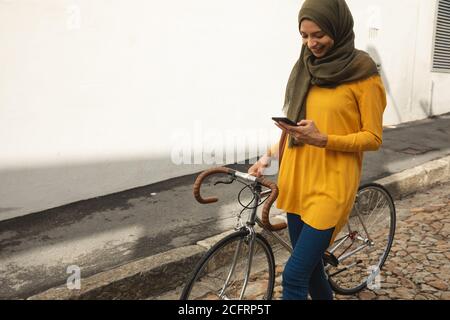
(304, 271)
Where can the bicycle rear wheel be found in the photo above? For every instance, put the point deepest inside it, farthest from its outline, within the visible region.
(363, 245)
(221, 273)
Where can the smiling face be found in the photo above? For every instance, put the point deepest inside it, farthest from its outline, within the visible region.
(317, 41)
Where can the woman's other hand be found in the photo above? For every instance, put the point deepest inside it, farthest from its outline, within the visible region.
(258, 168)
(305, 132)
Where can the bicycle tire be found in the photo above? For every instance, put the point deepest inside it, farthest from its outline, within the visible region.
(351, 289)
(200, 282)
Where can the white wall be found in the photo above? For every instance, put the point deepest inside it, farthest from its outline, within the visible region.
(404, 47)
(93, 91)
(95, 94)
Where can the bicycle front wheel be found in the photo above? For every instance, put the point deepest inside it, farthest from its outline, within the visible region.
(364, 243)
(222, 274)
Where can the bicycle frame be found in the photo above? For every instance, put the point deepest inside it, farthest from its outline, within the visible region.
(254, 219)
(255, 185)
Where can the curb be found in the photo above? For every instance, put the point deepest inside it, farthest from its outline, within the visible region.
(418, 178)
(159, 273)
(134, 280)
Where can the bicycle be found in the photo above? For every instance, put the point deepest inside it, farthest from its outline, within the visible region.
(243, 260)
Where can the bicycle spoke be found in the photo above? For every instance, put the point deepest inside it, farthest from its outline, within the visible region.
(376, 217)
(371, 206)
(362, 223)
(376, 209)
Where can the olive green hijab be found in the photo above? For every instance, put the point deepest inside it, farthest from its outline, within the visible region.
(342, 64)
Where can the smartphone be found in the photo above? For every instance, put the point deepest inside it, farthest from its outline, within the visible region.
(284, 120)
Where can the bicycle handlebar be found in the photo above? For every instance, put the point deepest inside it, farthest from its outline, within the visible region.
(236, 174)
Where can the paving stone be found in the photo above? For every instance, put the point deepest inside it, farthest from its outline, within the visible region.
(445, 295)
(402, 294)
(435, 257)
(367, 295)
(402, 253)
(279, 269)
(407, 283)
(391, 280)
(439, 284)
(387, 285)
(427, 288)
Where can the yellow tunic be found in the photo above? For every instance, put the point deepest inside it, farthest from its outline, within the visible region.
(320, 184)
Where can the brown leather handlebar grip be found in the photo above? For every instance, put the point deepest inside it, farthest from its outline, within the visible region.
(263, 181)
(199, 181)
(265, 211)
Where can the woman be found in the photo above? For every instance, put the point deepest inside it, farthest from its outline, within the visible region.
(337, 98)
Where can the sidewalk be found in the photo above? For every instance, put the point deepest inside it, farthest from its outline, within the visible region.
(135, 245)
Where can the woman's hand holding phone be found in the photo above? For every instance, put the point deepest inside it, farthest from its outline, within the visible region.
(305, 131)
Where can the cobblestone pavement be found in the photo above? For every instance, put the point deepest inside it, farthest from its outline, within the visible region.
(418, 266)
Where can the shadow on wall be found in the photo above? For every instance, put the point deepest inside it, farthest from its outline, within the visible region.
(373, 52)
(427, 106)
(380, 165)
